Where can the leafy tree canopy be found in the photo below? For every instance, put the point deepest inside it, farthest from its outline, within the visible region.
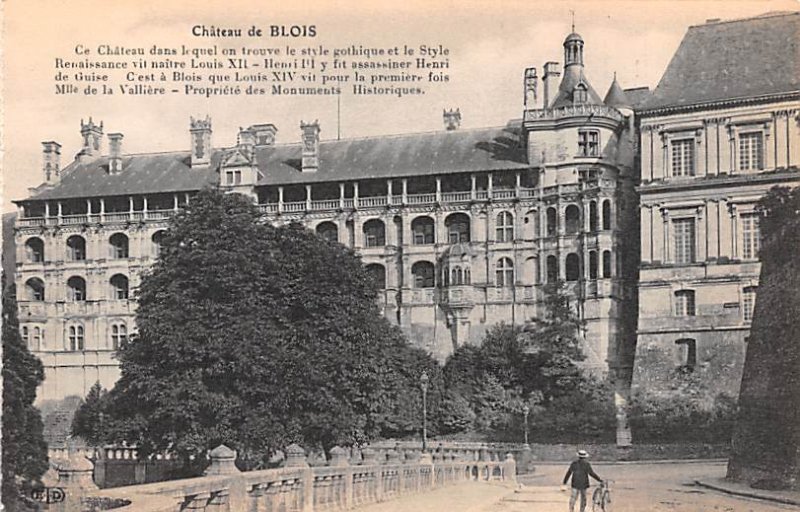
(24, 449)
(535, 365)
(257, 336)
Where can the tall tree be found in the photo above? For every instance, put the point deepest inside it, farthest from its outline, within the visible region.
(24, 449)
(258, 336)
(537, 365)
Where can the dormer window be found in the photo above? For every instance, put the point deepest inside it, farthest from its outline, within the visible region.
(580, 94)
(233, 177)
(588, 143)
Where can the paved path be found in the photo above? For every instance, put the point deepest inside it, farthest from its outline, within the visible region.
(636, 488)
(463, 497)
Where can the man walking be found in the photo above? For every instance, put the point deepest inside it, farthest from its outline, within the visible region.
(580, 470)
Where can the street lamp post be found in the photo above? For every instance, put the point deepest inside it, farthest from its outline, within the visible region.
(423, 380)
(525, 411)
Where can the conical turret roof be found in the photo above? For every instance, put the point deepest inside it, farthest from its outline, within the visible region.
(615, 97)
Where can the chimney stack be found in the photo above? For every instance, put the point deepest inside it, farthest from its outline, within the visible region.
(310, 146)
(531, 88)
(264, 134)
(200, 135)
(550, 78)
(452, 119)
(92, 135)
(51, 161)
(114, 153)
(246, 141)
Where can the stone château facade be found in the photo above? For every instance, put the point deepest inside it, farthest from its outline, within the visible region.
(463, 228)
(720, 129)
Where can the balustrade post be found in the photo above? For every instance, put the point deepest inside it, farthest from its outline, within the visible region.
(296, 458)
(510, 468)
(197, 501)
(218, 501)
(256, 493)
(339, 460)
(223, 461)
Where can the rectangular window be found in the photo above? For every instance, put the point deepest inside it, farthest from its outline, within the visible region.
(751, 236)
(684, 303)
(588, 142)
(751, 151)
(748, 303)
(683, 157)
(684, 240)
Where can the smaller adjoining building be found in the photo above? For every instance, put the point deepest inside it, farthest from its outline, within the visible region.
(721, 128)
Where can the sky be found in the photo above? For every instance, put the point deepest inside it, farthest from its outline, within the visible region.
(490, 42)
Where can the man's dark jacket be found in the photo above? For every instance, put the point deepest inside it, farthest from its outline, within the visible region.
(580, 471)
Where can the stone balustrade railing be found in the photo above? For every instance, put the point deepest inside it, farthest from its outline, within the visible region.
(299, 487)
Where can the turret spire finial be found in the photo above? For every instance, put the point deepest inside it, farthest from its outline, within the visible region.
(573, 19)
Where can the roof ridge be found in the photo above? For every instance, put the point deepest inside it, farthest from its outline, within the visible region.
(766, 15)
(297, 143)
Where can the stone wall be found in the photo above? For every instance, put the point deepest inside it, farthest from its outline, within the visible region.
(766, 443)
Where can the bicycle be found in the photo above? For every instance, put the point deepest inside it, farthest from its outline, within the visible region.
(601, 497)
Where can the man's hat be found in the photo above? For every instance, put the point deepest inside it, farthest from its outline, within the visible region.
(583, 454)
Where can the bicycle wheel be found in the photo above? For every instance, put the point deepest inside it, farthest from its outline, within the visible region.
(606, 502)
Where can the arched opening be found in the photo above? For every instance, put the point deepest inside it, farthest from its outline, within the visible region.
(35, 289)
(458, 228)
(34, 249)
(531, 225)
(457, 274)
(552, 222)
(119, 246)
(377, 273)
(606, 214)
(552, 269)
(76, 248)
(76, 289)
(572, 218)
(119, 286)
(424, 274)
(593, 216)
(374, 233)
(531, 274)
(572, 267)
(158, 242)
(606, 264)
(504, 272)
(119, 335)
(504, 230)
(593, 265)
(422, 230)
(328, 231)
(75, 339)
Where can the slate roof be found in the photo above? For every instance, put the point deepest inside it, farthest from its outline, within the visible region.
(573, 75)
(637, 96)
(732, 60)
(615, 97)
(386, 157)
